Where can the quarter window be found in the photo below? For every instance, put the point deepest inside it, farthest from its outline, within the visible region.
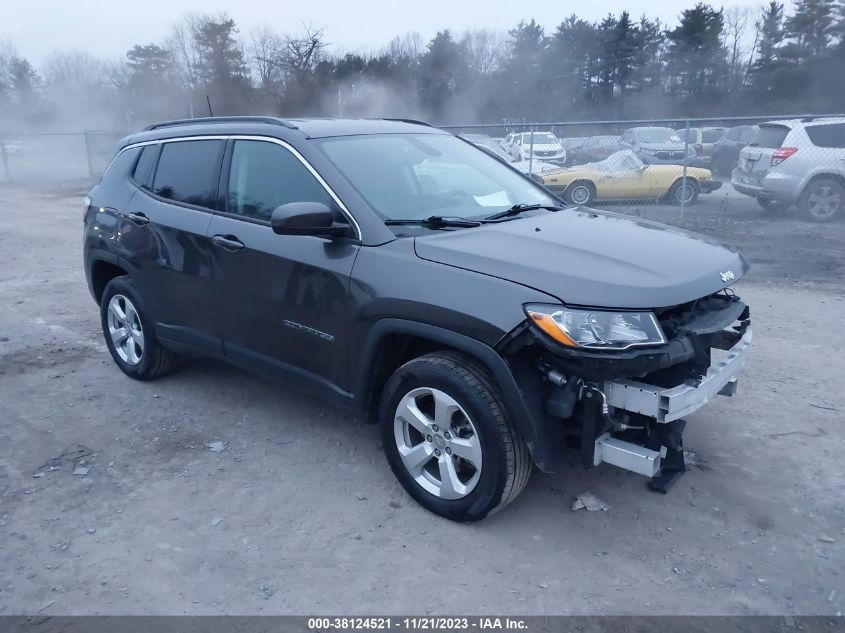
(187, 172)
(264, 176)
(143, 167)
(830, 135)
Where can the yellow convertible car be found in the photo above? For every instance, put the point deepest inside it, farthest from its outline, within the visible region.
(623, 176)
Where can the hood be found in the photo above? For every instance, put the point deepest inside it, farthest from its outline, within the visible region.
(591, 258)
(669, 146)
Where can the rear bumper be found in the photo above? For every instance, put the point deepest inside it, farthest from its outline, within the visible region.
(772, 186)
(673, 403)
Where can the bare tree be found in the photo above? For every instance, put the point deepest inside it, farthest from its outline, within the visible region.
(267, 56)
(305, 51)
(485, 49)
(737, 21)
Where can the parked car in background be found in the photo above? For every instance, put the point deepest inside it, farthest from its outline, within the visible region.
(545, 146)
(726, 150)
(572, 144)
(490, 146)
(623, 176)
(796, 162)
(702, 139)
(594, 148)
(658, 145)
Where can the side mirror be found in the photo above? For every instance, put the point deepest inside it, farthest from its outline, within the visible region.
(307, 218)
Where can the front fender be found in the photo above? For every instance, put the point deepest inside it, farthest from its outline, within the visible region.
(544, 439)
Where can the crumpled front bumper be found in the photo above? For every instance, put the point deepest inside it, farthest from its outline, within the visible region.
(666, 404)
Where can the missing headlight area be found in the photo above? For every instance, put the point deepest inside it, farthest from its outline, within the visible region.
(626, 406)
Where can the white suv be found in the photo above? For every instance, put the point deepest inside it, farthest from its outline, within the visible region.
(796, 162)
(546, 147)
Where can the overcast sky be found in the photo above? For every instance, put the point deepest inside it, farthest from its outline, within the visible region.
(107, 28)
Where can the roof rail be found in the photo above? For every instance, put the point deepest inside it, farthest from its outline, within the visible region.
(221, 119)
(409, 121)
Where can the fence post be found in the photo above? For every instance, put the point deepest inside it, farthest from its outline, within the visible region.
(88, 155)
(5, 161)
(686, 159)
(531, 153)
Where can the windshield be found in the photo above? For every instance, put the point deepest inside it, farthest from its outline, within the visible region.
(540, 137)
(625, 160)
(657, 135)
(415, 176)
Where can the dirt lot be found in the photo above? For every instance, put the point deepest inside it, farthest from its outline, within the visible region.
(300, 514)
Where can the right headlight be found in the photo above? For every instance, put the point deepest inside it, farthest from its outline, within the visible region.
(596, 329)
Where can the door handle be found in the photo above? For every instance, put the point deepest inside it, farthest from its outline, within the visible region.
(138, 218)
(228, 242)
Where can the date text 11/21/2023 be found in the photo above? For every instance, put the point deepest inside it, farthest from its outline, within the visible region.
(430, 623)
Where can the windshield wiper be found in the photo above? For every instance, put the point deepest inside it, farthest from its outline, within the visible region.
(435, 222)
(521, 208)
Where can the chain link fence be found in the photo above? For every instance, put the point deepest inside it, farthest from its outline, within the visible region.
(52, 157)
(774, 164)
(784, 164)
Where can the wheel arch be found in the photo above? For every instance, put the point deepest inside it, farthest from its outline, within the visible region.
(102, 272)
(823, 174)
(392, 342)
(586, 181)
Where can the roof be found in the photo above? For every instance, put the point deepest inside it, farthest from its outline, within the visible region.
(275, 126)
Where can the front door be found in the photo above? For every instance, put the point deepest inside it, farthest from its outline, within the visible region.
(283, 300)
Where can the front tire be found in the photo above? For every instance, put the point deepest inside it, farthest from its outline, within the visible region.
(822, 200)
(449, 438)
(129, 332)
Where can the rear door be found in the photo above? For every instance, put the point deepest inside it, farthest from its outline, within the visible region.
(283, 300)
(165, 240)
(755, 161)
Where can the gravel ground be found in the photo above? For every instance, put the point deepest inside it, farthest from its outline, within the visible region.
(112, 502)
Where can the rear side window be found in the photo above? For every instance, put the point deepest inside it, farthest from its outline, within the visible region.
(264, 176)
(143, 168)
(771, 136)
(187, 172)
(830, 135)
(121, 165)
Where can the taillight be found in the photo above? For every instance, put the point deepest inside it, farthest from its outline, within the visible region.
(699, 148)
(86, 208)
(781, 154)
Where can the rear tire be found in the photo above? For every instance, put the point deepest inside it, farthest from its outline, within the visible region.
(580, 193)
(679, 194)
(129, 332)
(454, 407)
(822, 200)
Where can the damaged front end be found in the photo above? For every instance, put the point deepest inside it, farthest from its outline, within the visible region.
(624, 403)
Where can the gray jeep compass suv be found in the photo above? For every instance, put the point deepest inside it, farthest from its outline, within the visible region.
(399, 271)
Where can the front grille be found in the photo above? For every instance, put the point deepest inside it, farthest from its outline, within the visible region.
(668, 155)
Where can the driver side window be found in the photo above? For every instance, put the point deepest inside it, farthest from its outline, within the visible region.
(264, 175)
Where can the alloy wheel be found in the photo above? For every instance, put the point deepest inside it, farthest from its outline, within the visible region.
(125, 329)
(824, 202)
(438, 443)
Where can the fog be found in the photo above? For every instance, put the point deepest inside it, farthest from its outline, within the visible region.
(708, 62)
